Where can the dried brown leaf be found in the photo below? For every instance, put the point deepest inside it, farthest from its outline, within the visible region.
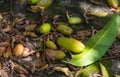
(0, 65)
(7, 53)
(65, 70)
(3, 73)
(38, 55)
(2, 50)
(30, 27)
(20, 69)
(27, 52)
(83, 33)
(32, 34)
(117, 75)
(1, 17)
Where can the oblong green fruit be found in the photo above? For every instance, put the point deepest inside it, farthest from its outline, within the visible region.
(74, 20)
(33, 1)
(45, 28)
(50, 44)
(60, 55)
(113, 3)
(64, 29)
(71, 44)
(44, 3)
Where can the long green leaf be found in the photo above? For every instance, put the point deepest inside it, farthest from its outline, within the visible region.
(98, 44)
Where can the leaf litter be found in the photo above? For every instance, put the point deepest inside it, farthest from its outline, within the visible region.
(34, 62)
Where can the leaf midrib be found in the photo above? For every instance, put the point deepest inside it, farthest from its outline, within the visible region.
(105, 32)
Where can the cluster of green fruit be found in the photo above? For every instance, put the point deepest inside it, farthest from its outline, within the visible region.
(39, 4)
(70, 44)
(63, 28)
(52, 51)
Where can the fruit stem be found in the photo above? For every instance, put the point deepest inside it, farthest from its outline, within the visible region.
(67, 14)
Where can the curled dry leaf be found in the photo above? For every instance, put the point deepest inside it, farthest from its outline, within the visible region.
(3, 73)
(2, 50)
(7, 53)
(32, 34)
(0, 65)
(84, 33)
(1, 17)
(78, 72)
(38, 55)
(117, 75)
(27, 52)
(65, 70)
(104, 71)
(30, 27)
(44, 67)
(40, 65)
(20, 69)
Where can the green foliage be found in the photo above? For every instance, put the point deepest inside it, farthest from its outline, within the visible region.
(98, 44)
(91, 69)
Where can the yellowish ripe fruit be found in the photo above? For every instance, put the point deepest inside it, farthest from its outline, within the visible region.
(71, 44)
(18, 50)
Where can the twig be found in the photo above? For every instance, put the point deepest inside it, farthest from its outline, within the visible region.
(107, 58)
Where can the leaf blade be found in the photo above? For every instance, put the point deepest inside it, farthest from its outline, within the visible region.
(98, 44)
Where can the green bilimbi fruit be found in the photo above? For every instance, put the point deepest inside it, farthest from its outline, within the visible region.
(55, 54)
(113, 3)
(74, 20)
(45, 28)
(71, 44)
(33, 1)
(64, 29)
(44, 3)
(99, 14)
(50, 44)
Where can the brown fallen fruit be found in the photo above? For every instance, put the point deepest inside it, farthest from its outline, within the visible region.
(55, 54)
(18, 50)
